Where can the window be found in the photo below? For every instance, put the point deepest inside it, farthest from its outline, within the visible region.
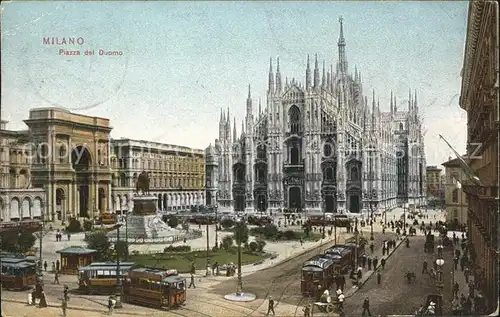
(294, 118)
(454, 196)
(455, 213)
(294, 155)
(400, 126)
(354, 173)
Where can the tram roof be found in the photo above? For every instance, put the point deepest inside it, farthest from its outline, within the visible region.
(104, 266)
(321, 263)
(19, 265)
(174, 279)
(76, 250)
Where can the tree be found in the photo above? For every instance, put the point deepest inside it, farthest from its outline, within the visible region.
(26, 241)
(9, 241)
(227, 223)
(121, 247)
(241, 233)
(173, 222)
(227, 243)
(98, 240)
(74, 226)
(270, 231)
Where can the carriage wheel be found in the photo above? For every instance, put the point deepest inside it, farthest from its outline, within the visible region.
(329, 308)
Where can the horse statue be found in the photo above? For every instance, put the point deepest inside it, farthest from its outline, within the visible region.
(142, 183)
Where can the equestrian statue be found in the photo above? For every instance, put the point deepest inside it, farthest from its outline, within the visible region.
(142, 183)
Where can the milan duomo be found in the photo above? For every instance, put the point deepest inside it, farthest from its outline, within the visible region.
(321, 146)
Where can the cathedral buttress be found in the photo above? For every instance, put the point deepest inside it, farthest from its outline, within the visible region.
(249, 155)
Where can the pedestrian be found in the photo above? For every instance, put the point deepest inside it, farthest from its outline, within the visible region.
(111, 304)
(455, 263)
(64, 306)
(456, 287)
(379, 277)
(424, 267)
(369, 264)
(307, 310)
(53, 267)
(65, 293)
(341, 298)
(192, 281)
(462, 263)
(57, 265)
(466, 274)
(375, 262)
(372, 247)
(69, 236)
(43, 300)
(193, 268)
(56, 278)
(382, 262)
(363, 260)
(45, 266)
(359, 273)
(456, 307)
(366, 307)
(270, 307)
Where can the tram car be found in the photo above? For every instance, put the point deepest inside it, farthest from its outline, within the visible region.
(356, 250)
(154, 288)
(100, 277)
(318, 271)
(18, 273)
(343, 258)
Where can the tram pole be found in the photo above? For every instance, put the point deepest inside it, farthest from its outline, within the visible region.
(216, 227)
(207, 273)
(239, 287)
(118, 303)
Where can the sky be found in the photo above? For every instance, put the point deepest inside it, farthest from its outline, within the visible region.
(181, 62)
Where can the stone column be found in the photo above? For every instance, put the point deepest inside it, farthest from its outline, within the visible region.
(109, 201)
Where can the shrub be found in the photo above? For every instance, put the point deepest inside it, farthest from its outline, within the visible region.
(26, 241)
(291, 235)
(227, 223)
(227, 243)
(253, 246)
(241, 233)
(178, 248)
(173, 222)
(74, 226)
(98, 240)
(87, 225)
(121, 247)
(261, 244)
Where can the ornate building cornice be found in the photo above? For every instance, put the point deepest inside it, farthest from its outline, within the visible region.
(476, 9)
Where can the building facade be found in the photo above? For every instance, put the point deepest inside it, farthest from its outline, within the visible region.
(176, 174)
(19, 200)
(435, 184)
(71, 162)
(66, 165)
(456, 203)
(319, 145)
(479, 97)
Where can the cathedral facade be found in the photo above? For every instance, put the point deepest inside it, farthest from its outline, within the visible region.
(318, 146)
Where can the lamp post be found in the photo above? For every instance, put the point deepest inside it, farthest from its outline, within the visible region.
(216, 226)
(439, 283)
(239, 296)
(118, 303)
(207, 273)
(239, 286)
(126, 235)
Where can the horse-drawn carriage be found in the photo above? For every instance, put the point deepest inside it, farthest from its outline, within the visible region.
(432, 306)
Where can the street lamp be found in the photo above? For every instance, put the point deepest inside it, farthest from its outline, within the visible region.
(239, 296)
(439, 283)
(207, 273)
(216, 226)
(118, 303)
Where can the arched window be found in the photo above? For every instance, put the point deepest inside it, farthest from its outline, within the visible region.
(261, 152)
(327, 149)
(455, 213)
(62, 153)
(329, 174)
(294, 155)
(354, 173)
(294, 119)
(454, 196)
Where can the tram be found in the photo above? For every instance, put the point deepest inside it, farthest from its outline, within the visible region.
(343, 258)
(316, 273)
(100, 277)
(155, 288)
(18, 273)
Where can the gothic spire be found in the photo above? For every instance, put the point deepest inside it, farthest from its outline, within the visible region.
(392, 105)
(373, 109)
(395, 104)
(323, 79)
(235, 135)
(278, 75)
(308, 74)
(415, 100)
(260, 108)
(271, 77)
(242, 127)
(249, 102)
(316, 73)
(409, 99)
(341, 47)
(221, 116)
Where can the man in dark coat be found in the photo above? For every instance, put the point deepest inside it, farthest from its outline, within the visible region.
(424, 267)
(379, 278)
(382, 262)
(270, 307)
(363, 260)
(369, 264)
(375, 262)
(366, 307)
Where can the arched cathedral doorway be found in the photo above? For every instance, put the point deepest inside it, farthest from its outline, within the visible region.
(81, 161)
(294, 198)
